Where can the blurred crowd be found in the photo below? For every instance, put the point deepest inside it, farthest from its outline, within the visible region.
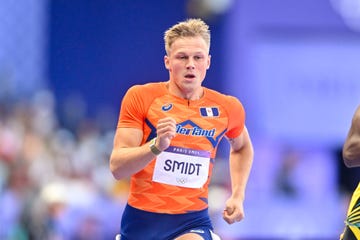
(55, 183)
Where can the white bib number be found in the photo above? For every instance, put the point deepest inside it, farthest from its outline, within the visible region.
(182, 167)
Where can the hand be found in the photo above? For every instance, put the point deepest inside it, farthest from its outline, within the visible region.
(234, 211)
(165, 130)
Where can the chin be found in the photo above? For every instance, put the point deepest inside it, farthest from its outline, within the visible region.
(190, 80)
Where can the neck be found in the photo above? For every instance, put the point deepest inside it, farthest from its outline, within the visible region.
(192, 95)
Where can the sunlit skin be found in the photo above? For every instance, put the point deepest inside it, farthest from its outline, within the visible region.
(351, 149)
(187, 62)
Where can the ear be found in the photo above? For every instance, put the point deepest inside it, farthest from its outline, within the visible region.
(167, 62)
(209, 62)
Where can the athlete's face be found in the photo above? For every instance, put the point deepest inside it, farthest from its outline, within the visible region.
(187, 63)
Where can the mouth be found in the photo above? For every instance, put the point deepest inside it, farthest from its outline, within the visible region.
(190, 76)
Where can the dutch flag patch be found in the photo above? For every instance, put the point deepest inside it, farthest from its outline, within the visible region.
(209, 111)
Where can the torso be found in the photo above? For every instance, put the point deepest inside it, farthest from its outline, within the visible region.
(177, 181)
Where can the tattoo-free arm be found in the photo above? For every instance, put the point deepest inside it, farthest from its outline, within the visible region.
(351, 149)
(241, 158)
(127, 156)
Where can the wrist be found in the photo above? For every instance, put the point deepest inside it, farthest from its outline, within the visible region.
(153, 148)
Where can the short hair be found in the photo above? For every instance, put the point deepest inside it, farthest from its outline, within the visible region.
(189, 28)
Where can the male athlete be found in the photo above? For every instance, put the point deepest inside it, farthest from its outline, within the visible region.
(351, 155)
(166, 141)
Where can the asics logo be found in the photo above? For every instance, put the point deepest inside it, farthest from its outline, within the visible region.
(167, 107)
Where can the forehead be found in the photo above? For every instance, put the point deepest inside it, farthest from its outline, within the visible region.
(189, 45)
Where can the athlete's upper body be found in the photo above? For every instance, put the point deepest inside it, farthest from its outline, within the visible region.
(351, 157)
(351, 149)
(168, 133)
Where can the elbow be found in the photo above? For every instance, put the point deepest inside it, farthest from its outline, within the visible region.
(115, 169)
(116, 174)
(348, 163)
(349, 160)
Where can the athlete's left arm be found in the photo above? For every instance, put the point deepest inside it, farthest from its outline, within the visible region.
(241, 158)
(351, 148)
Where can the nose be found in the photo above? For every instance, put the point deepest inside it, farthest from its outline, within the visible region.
(190, 64)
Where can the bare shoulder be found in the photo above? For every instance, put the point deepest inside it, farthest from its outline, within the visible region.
(357, 113)
(351, 148)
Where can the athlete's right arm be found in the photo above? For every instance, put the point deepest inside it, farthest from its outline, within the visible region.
(351, 149)
(128, 155)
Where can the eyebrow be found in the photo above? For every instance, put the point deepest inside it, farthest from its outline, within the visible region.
(184, 53)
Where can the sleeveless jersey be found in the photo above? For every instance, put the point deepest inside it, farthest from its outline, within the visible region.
(177, 180)
(352, 227)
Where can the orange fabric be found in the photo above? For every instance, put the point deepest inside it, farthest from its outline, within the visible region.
(201, 124)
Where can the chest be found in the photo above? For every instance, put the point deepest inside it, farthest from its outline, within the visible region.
(201, 122)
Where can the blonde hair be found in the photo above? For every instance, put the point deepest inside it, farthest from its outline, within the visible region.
(188, 28)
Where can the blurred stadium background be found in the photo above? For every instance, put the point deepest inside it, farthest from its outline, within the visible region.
(65, 65)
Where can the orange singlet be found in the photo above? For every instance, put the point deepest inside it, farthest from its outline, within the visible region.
(177, 180)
